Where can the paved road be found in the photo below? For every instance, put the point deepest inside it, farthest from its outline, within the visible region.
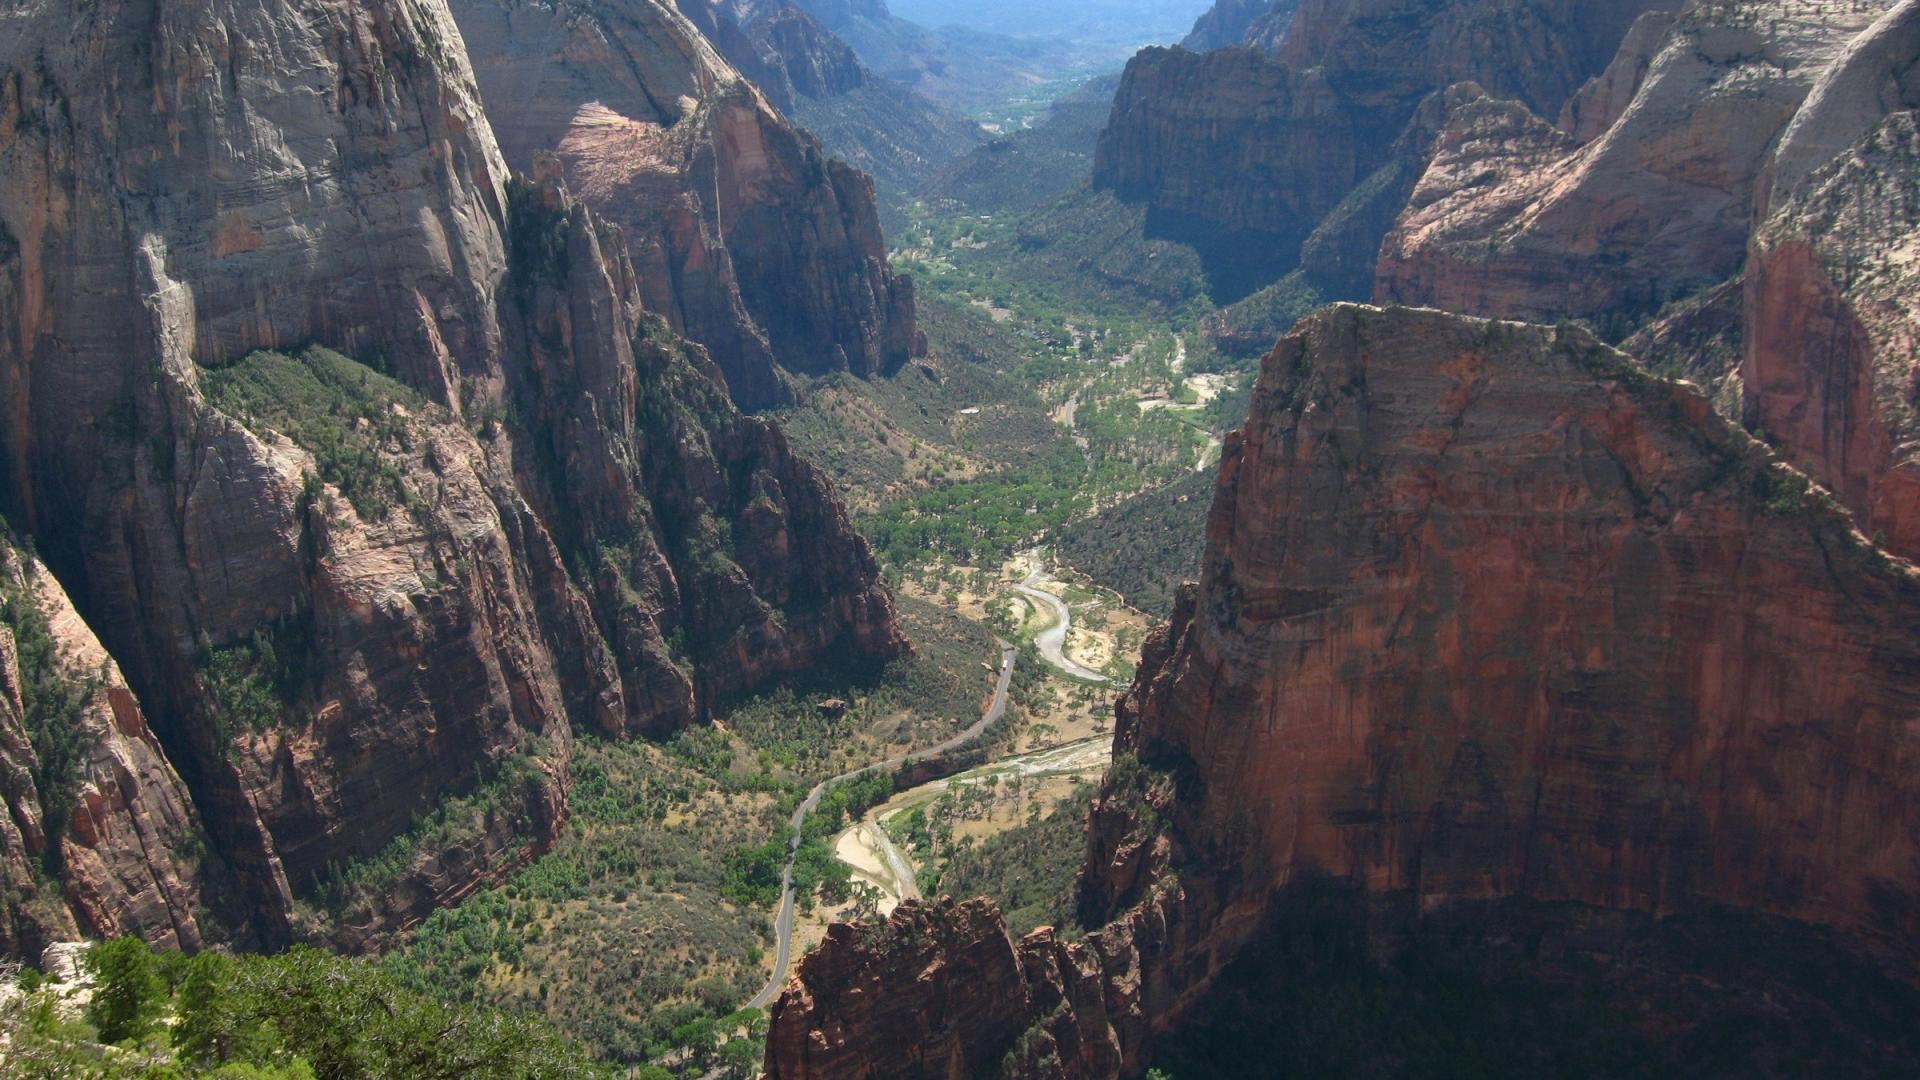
(783, 922)
(1052, 641)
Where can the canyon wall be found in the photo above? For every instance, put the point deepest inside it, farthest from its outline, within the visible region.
(1486, 612)
(1647, 192)
(366, 465)
(1245, 152)
(746, 237)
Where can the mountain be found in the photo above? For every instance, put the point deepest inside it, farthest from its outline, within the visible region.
(886, 130)
(960, 68)
(745, 235)
(1493, 628)
(365, 462)
(1243, 154)
(1255, 23)
(1654, 206)
(1765, 247)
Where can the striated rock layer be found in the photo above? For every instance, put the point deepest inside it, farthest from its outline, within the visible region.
(1487, 612)
(100, 835)
(347, 585)
(746, 237)
(1245, 152)
(1646, 195)
(1831, 330)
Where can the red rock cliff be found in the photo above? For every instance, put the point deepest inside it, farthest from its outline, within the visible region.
(1832, 329)
(1649, 192)
(748, 239)
(1487, 612)
(1249, 152)
(550, 483)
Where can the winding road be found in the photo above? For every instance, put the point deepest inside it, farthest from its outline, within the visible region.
(1053, 640)
(783, 922)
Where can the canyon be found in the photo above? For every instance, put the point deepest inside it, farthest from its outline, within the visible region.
(1381, 684)
(431, 428)
(566, 524)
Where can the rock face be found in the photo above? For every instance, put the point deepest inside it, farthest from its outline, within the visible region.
(92, 802)
(1649, 192)
(1487, 612)
(746, 237)
(335, 624)
(1234, 22)
(1748, 158)
(1832, 329)
(888, 131)
(1246, 153)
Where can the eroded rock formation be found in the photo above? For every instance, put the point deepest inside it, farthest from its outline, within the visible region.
(1650, 193)
(100, 835)
(746, 237)
(350, 582)
(1487, 612)
(1246, 152)
(1831, 330)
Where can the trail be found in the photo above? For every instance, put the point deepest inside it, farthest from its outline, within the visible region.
(783, 922)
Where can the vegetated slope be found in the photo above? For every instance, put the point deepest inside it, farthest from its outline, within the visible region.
(1145, 547)
(1417, 503)
(959, 412)
(1030, 168)
(347, 583)
(649, 920)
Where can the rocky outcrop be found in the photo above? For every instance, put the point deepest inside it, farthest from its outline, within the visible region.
(1487, 612)
(347, 595)
(747, 238)
(1652, 194)
(100, 835)
(1832, 332)
(1257, 23)
(888, 131)
(1244, 154)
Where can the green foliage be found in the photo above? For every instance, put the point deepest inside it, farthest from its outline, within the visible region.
(55, 698)
(351, 418)
(1144, 547)
(979, 522)
(620, 933)
(297, 1016)
(128, 993)
(1031, 870)
(510, 786)
(753, 874)
(251, 685)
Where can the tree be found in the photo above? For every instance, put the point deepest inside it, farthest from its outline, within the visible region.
(128, 994)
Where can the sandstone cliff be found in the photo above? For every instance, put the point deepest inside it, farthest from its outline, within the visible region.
(1831, 331)
(1486, 612)
(1743, 162)
(888, 131)
(100, 835)
(1244, 153)
(746, 237)
(1258, 23)
(1648, 193)
(347, 585)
